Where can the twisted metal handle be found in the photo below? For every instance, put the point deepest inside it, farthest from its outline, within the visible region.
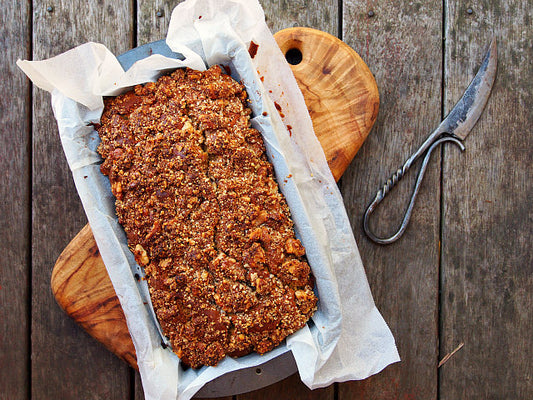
(393, 180)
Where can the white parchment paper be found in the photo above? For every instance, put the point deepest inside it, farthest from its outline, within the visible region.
(347, 339)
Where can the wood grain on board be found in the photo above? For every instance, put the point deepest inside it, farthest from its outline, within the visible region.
(66, 363)
(339, 90)
(402, 44)
(79, 281)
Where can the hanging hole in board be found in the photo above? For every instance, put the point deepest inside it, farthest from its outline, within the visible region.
(258, 371)
(293, 56)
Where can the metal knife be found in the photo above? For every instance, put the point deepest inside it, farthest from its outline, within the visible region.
(455, 128)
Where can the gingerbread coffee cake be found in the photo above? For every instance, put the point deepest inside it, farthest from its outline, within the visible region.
(204, 216)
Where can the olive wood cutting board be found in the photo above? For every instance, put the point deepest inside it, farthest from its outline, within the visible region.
(342, 98)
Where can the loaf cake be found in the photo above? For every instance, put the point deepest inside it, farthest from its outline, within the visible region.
(197, 198)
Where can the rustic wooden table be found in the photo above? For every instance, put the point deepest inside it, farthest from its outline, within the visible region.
(461, 275)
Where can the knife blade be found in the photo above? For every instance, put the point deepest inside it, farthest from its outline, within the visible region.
(468, 109)
(454, 128)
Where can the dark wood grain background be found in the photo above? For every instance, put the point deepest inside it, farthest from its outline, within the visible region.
(462, 273)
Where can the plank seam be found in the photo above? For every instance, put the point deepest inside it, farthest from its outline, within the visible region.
(340, 14)
(135, 25)
(29, 182)
(441, 200)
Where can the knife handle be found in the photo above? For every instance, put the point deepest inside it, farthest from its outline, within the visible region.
(393, 180)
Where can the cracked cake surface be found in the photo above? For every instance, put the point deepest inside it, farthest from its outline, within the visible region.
(204, 216)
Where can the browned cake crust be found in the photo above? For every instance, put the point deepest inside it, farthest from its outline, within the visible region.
(203, 215)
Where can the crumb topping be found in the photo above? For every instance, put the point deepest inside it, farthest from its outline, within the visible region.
(204, 216)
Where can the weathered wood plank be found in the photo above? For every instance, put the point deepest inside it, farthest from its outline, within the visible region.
(15, 42)
(487, 260)
(153, 17)
(318, 14)
(289, 388)
(138, 393)
(66, 362)
(401, 43)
